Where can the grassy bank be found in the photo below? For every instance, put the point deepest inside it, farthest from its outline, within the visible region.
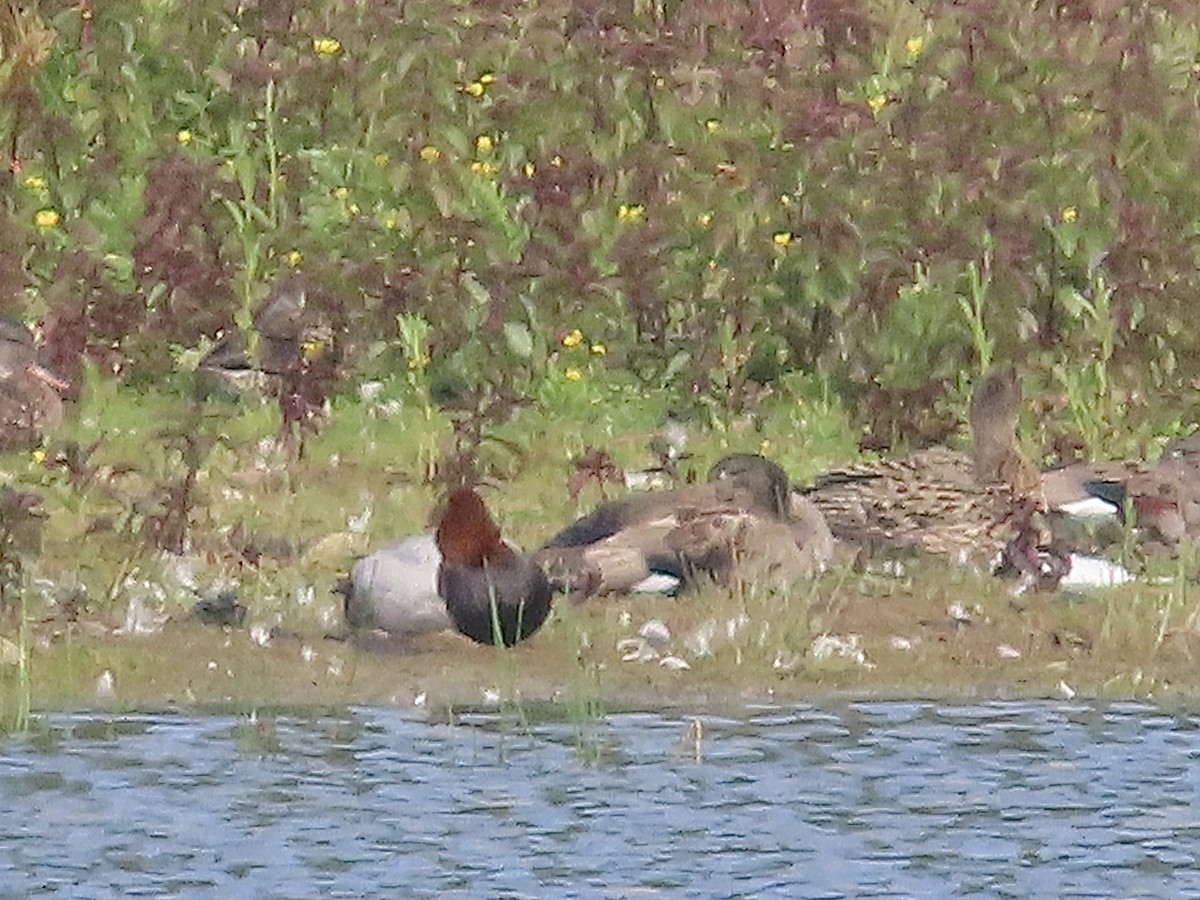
(280, 530)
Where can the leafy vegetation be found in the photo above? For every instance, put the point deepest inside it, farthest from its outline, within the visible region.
(713, 194)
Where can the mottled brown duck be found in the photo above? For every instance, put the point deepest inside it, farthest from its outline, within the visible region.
(30, 401)
(968, 506)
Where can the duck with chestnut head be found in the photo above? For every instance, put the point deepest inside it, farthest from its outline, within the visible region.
(493, 594)
(426, 583)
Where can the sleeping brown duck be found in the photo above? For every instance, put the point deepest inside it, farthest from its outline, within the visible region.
(744, 525)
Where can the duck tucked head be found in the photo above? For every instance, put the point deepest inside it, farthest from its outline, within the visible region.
(765, 480)
(466, 534)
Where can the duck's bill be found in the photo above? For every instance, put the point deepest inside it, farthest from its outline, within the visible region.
(48, 377)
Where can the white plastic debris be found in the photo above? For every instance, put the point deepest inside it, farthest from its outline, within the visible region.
(735, 625)
(1007, 651)
(1066, 691)
(848, 646)
(958, 613)
(106, 685)
(636, 650)
(358, 524)
(898, 642)
(260, 634)
(141, 617)
(699, 642)
(785, 662)
(674, 663)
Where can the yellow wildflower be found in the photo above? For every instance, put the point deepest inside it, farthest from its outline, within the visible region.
(38, 456)
(598, 349)
(391, 222)
(354, 210)
(475, 89)
(183, 136)
(705, 219)
(782, 238)
(914, 45)
(483, 168)
(556, 161)
(484, 144)
(313, 348)
(294, 258)
(572, 374)
(529, 170)
(785, 199)
(1068, 214)
(46, 218)
(430, 153)
(35, 182)
(572, 338)
(381, 159)
(634, 211)
(341, 193)
(487, 78)
(713, 125)
(327, 46)
(877, 102)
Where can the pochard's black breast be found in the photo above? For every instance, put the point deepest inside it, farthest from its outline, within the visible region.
(515, 599)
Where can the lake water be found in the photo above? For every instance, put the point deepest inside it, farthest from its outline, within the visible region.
(909, 799)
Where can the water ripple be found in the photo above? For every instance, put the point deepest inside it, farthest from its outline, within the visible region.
(858, 800)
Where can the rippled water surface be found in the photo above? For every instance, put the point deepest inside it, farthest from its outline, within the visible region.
(852, 800)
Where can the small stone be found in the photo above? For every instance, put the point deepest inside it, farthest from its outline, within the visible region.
(656, 633)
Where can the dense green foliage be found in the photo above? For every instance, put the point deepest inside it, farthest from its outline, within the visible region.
(884, 195)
